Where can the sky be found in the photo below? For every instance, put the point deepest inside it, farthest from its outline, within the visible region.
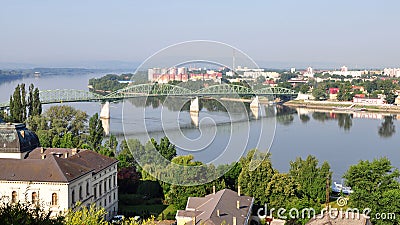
(284, 33)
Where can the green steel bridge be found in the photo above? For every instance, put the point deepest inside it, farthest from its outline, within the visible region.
(150, 90)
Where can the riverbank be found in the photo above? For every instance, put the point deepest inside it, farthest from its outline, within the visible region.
(329, 105)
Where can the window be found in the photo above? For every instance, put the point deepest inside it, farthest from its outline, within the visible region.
(114, 181)
(87, 188)
(105, 185)
(54, 200)
(109, 198)
(114, 196)
(14, 197)
(99, 189)
(34, 198)
(95, 192)
(73, 196)
(105, 202)
(109, 183)
(80, 193)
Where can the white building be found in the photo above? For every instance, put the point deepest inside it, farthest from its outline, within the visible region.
(309, 72)
(392, 72)
(54, 178)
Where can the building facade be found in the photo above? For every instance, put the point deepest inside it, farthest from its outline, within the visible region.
(55, 178)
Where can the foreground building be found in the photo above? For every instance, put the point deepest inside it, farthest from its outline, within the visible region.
(54, 178)
(223, 207)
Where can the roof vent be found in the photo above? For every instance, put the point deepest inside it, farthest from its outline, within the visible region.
(66, 155)
(41, 150)
(43, 156)
(218, 214)
(74, 151)
(22, 133)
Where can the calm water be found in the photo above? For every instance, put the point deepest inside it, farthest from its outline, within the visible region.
(340, 139)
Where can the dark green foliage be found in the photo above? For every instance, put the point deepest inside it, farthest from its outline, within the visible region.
(95, 132)
(24, 214)
(319, 93)
(165, 148)
(310, 177)
(256, 173)
(109, 82)
(375, 186)
(150, 189)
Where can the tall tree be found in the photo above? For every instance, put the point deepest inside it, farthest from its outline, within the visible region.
(16, 109)
(37, 105)
(256, 173)
(30, 99)
(312, 179)
(165, 148)
(95, 132)
(375, 186)
(23, 102)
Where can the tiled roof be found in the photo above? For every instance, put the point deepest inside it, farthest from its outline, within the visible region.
(50, 169)
(53, 165)
(223, 202)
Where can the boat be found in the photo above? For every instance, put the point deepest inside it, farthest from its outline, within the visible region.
(37, 74)
(339, 188)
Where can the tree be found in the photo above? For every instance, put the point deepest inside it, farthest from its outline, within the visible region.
(85, 215)
(22, 213)
(37, 105)
(281, 189)
(95, 132)
(23, 102)
(345, 92)
(30, 99)
(112, 143)
(16, 108)
(165, 148)
(256, 173)
(304, 88)
(375, 185)
(319, 93)
(390, 98)
(312, 179)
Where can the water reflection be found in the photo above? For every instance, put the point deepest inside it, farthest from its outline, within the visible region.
(387, 127)
(285, 115)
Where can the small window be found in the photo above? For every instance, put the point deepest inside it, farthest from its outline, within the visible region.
(54, 200)
(80, 193)
(114, 196)
(73, 196)
(105, 202)
(105, 185)
(34, 198)
(87, 189)
(95, 192)
(109, 198)
(14, 197)
(109, 183)
(99, 189)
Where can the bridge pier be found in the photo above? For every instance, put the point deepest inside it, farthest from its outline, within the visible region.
(195, 118)
(194, 105)
(255, 106)
(106, 126)
(105, 111)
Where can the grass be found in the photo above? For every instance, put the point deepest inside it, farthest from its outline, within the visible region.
(134, 205)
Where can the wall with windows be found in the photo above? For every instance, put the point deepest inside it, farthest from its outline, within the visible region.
(49, 195)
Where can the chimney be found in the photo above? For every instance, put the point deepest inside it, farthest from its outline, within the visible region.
(66, 155)
(218, 214)
(234, 221)
(43, 156)
(214, 189)
(41, 150)
(23, 133)
(239, 190)
(238, 204)
(194, 220)
(74, 151)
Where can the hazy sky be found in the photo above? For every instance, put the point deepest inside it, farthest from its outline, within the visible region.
(363, 33)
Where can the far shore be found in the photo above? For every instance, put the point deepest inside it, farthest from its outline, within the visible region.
(332, 105)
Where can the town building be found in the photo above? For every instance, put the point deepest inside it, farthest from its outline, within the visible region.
(392, 72)
(222, 207)
(54, 178)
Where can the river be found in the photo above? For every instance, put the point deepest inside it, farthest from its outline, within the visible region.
(340, 139)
